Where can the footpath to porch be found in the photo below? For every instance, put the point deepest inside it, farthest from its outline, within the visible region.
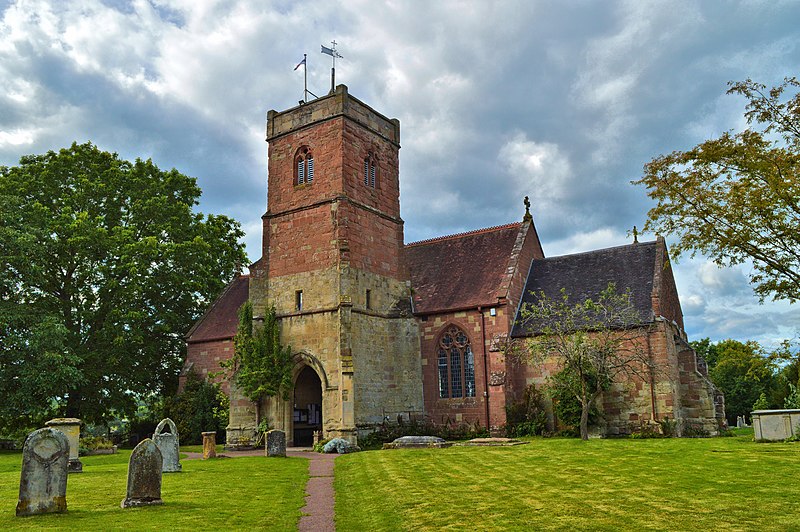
(318, 511)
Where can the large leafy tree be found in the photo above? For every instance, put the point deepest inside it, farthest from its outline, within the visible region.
(596, 341)
(105, 266)
(742, 371)
(736, 198)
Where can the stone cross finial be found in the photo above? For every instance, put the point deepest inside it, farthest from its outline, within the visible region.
(527, 217)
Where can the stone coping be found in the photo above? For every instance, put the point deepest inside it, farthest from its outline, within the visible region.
(64, 421)
(784, 411)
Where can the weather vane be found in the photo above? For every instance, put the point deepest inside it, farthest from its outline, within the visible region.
(334, 54)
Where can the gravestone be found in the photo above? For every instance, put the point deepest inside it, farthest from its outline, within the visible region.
(276, 443)
(168, 444)
(43, 483)
(71, 427)
(209, 444)
(417, 442)
(144, 476)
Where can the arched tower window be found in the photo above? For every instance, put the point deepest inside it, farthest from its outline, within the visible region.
(456, 364)
(370, 170)
(303, 167)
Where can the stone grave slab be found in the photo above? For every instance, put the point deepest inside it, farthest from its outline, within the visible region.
(417, 442)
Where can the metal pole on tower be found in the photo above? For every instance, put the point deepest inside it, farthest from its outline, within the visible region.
(334, 54)
(305, 79)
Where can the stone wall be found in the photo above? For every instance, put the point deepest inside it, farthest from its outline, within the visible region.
(676, 389)
(204, 358)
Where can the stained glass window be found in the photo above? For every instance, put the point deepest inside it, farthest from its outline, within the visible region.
(456, 364)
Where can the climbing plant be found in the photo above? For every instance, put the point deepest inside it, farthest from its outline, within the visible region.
(261, 365)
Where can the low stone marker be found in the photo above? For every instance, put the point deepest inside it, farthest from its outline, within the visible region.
(276, 443)
(71, 427)
(209, 445)
(144, 476)
(43, 482)
(169, 445)
(417, 442)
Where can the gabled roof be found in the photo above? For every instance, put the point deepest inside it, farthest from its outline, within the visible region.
(460, 271)
(221, 319)
(585, 275)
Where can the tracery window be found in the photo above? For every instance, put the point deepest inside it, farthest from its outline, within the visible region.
(370, 165)
(456, 364)
(303, 167)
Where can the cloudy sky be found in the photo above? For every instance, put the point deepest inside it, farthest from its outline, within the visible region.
(562, 101)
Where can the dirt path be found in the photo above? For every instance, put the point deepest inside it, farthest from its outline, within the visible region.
(318, 511)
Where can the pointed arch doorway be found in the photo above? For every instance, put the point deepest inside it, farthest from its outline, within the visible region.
(307, 415)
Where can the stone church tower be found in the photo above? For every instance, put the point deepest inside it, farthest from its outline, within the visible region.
(332, 265)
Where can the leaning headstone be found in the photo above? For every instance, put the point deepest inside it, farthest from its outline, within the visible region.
(72, 428)
(168, 444)
(43, 483)
(144, 476)
(276, 443)
(209, 445)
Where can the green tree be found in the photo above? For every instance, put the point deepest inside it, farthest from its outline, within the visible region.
(200, 407)
(261, 365)
(105, 268)
(596, 340)
(743, 373)
(736, 198)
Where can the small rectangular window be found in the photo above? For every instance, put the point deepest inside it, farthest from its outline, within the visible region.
(366, 172)
(372, 177)
(298, 300)
(301, 172)
(310, 176)
(369, 299)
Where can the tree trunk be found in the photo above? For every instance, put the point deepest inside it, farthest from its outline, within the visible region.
(585, 405)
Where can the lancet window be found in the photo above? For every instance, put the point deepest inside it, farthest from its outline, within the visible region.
(304, 167)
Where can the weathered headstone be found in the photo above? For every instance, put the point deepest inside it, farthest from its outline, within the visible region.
(71, 427)
(169, 445)
(209, 445)
(276, 443)
(144, 476)
(43, 483)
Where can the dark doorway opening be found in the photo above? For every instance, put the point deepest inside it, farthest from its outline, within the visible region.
(307, 407)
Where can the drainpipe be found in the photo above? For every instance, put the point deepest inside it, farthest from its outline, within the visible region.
(652, 381)
(485, 368)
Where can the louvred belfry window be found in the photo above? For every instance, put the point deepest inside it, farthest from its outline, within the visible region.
(456, 364)
(370, 165)
(304, 167)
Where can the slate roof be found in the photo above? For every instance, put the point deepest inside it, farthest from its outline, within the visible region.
(221, 319)
(585, 275)
(460, 271)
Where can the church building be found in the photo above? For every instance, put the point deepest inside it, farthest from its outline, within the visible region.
(381, 329)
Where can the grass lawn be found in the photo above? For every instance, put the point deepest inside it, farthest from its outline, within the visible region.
(616, 484)
(252, 493)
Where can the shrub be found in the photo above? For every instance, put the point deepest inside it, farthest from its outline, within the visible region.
(695, 431)
(528, 417)
(566, 405)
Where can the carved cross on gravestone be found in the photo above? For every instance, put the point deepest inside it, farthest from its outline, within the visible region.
(43, 483)
(169, 445)
(144, 476)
